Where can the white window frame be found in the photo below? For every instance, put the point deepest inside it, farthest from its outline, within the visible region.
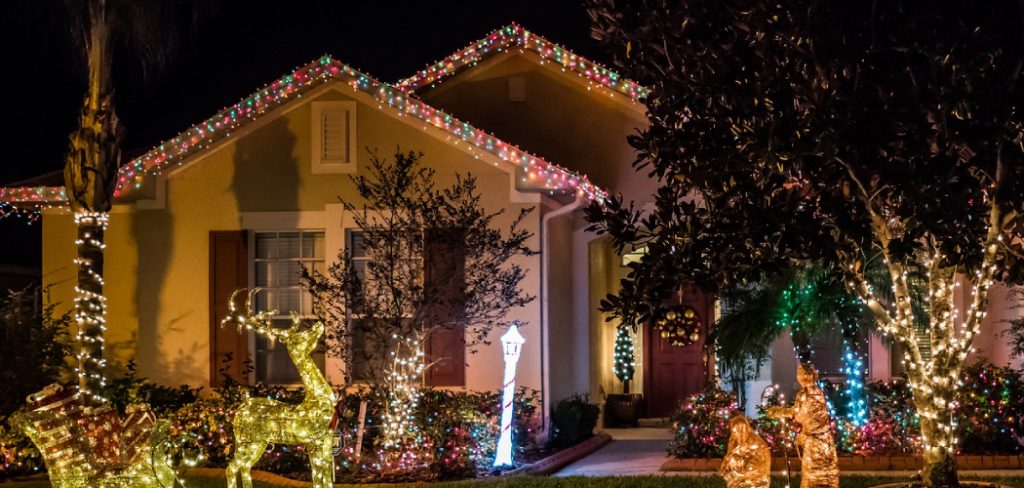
(319, 164)
(282, 314)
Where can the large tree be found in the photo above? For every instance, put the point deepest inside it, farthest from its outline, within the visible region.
(840, 132)
(144, 32)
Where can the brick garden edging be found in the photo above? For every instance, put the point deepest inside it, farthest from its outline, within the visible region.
(564, 457)
(859, 463)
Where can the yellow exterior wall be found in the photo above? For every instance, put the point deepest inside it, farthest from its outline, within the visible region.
(157, 265)
(585, 130)
(560, 120)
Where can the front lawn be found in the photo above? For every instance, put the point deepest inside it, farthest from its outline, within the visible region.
(580, 482)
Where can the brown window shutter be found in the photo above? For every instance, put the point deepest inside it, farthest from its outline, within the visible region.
(445, 275)
(229, 271)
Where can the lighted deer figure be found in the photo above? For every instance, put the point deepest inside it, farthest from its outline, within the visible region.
(260, 422)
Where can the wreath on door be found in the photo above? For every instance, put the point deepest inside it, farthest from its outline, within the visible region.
(679, 325)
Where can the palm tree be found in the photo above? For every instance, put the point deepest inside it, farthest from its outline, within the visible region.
(803, 302)
(144, 31)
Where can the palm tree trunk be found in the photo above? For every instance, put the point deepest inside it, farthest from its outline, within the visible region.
(90, 174)
(90, 304)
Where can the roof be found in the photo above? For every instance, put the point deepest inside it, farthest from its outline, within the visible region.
(512, 37)
(177, 150)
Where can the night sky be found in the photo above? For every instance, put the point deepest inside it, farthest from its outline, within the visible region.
(236, 49)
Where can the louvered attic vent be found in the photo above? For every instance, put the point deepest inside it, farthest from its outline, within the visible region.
(334, 137)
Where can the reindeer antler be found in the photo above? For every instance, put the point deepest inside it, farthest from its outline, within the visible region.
(258, 322)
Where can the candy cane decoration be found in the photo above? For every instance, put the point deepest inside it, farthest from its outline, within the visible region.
(512, 343)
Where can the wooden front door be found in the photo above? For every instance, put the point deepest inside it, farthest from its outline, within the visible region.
(672, 373)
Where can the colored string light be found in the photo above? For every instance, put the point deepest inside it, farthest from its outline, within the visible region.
(513, 36)
(177, 150)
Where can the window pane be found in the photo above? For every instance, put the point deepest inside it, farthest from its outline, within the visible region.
(288, 300)
(263, 274)
(266, 245)
(264, 300)
(360, 268)
(289, 273)
(288, 245)
(313, 245)
(356, 245)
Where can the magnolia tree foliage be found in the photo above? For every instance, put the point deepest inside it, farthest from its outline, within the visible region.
(435, 261)
(850, 133)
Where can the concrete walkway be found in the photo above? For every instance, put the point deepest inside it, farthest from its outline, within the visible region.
(631, 452)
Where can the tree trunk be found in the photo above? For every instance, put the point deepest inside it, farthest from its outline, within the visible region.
(939, 469)
(90, 304)
(90, 176)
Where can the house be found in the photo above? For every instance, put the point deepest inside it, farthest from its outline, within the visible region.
(247, 196)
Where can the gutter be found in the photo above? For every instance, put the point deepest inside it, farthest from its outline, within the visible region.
(545, 350)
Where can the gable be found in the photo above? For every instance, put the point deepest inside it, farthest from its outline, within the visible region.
(271, 165)
(550, 101)
(514, 38)
(549, 115)
(536, 173)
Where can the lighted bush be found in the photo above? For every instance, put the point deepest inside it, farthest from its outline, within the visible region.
(701, 424)
(991, 409)
(988, 420)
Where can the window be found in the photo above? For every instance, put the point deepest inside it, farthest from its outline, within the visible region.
(278, 262)
(444, 349)
(367, 346)
(334, 137)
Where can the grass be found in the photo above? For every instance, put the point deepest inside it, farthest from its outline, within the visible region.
(578, 482)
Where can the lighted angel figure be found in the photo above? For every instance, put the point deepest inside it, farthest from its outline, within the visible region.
(819, 464)
(748, 461)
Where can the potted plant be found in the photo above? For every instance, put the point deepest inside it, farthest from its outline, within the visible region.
(621, 410)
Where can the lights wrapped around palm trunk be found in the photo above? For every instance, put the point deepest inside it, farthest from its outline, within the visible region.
(90, 304)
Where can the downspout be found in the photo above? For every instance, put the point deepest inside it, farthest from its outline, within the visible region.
(545, 245)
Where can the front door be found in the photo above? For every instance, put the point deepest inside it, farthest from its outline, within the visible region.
(672, 373)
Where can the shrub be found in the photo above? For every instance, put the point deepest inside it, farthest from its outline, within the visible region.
(132, 388)
(701, 424)
(33, 345)
(572, 420)
(991, 408)
(988, 419)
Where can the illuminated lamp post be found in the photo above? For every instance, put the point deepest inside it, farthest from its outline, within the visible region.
(512, 345)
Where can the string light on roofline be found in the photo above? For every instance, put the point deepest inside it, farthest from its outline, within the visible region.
(514, 36)
(8, 211)
(174, 152)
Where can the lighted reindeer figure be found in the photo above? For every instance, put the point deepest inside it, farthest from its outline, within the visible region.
(260, 422)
